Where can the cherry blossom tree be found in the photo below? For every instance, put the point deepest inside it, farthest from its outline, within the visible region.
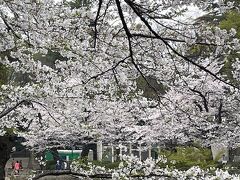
(90, 92)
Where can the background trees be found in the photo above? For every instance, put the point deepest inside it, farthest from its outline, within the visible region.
(84, 66)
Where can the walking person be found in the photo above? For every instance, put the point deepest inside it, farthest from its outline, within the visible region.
(17, 167)
(64, 165)
(58, 165)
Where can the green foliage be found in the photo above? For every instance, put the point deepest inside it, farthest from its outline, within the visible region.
(148, 91)
(234, 165)
(50, 165)
(49, 156)
(50, 58)
(227, 68)
(237, 2)
(199, 50)
(231, 20)
(79, 3)
(84, 164)
(107, 164)
(186, 157)
(183, 158)
(4, 74)
(9, 131)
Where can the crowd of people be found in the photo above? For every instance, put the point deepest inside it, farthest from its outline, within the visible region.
(16, 166)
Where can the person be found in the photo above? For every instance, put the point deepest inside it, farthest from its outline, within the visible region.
(58, 165)
(224, 159)
(13, 164)
(64, 165)
(17, 167)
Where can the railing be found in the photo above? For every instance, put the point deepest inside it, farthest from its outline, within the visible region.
(37, 173)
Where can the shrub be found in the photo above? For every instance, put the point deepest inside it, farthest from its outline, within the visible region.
(186, 157)
(50, 165)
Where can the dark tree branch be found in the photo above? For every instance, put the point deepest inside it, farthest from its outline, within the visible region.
(4, 113)
(105, 11)
(40, 119)
(46, 110)
(108, 70)
(95, 22)
(139, 14)
(9, 28)
(219, 115)
(199, 106)
(116, 79)
(170, 39)
(129, 36)
(205, 103)
(22, 127)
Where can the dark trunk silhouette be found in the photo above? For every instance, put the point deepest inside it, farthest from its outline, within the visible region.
(55, 154)
(6, 145)
(86, 149)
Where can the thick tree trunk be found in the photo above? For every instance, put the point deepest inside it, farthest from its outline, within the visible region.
(2, 170)
(55, 154)
(86, 149)
(6, 144)
(42, 154)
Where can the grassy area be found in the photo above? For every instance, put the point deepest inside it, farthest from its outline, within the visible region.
(186, 157)
(231, 20)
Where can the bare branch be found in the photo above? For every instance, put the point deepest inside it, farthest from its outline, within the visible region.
(170, 39)
(108, 70)
(4, 113)
(205, 103)
(9, 28)
(220, 111)
(129, 36)
(95, 22)
(138, 13)
(46, 110)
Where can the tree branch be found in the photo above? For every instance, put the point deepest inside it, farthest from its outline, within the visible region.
(108, 70)
(46, 110)
(129, 36)
(4, 113)
(169, 39)
(219, 115)
(138, 13)
(205, 103)
(9, 28)
(95, 22)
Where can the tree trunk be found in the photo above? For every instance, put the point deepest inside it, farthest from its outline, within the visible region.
(2, 168)
(86, 149)
(42, 154)
(55, 154)
(6, 145)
